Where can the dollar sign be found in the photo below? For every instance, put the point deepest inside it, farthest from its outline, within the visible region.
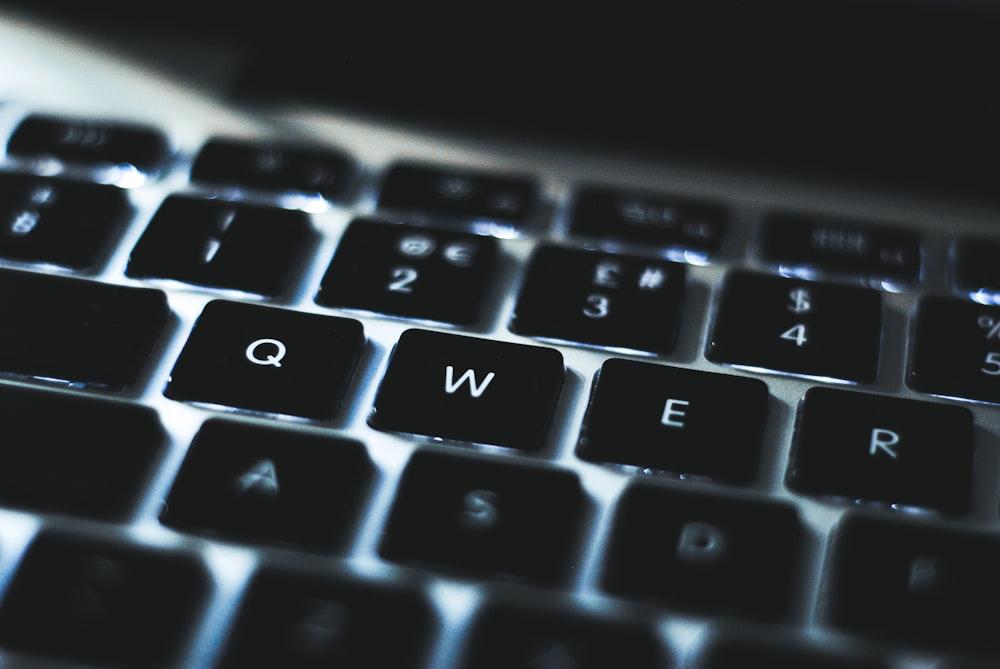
(799, 301)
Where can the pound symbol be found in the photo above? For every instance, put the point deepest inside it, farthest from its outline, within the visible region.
(799, 301)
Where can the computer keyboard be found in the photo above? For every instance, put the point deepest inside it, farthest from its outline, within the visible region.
(286, 388)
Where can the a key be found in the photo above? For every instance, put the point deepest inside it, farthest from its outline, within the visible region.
(828, 245)
(269, 360)
(75, 455)
(58, 221)
(262, 484)
(740, 650)
(487, 516)
(648, 219)
(705, 553)
(243, 247)
(677, 420)
(858, 446)
(102, 603)
(915, 583)
(458, 194)
(89, 142)
(468, 389)
(974, 269)
(279, 168)
(302, 621)
(601, 299)
(77, 331)
(817, 330)
(547, 635)
(410, 271)
(955, 350)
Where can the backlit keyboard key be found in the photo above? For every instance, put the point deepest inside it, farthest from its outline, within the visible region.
(102, 603)
(817, 330)
(75, 455)
(870, 251)
(705, 553)
(77, 331)
(485, 516)
(219, 244)
(58, 221)
(905, 582)
(857, 446)
(280, 168)
(257, 483)
(410, 271)
(601, 299)
(266, 359)
(955, 350)
(677, 420)
(781, 651)
(468, 389)
(91, 143)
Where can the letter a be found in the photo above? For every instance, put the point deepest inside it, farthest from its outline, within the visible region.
(475, 389)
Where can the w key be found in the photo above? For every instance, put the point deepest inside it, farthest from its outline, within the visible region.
(468, 389)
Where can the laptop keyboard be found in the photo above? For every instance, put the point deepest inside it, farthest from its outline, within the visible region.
(280, 401)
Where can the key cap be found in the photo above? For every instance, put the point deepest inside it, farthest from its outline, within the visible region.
(817, 330)
(974, 269)
(58, 221)
(266, 359)
(220, 244)
(102, 603)
(676, 420)
(75, 455)
(252, 483)
(89, 142)
(272, 167)
(410, 271)
(484, 516)
(544, 635)
(830, 245)
(468, 389)
(602, 299)
(920, 584)
(857, 446)
(780, 651)
(648, 219)
(705, 553)
(457, 193)
(300, 621)
(77, 331)
(955, 350)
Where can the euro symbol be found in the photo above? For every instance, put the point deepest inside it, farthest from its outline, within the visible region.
(273, 359)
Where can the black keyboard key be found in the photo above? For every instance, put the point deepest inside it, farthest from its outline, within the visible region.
(781, 651)
(90, 143)
(817, 330)
(410, 271)
(298, 621)
(57, 221)
(677, 420)
(469, 389)
(77, 331)
(457, 193)
(913, 583)
(244, 247)
(900, 452)
(601, 299)
(253, 483)
(75, 455)
(547, 635)
(102, 603)
(648, 219)
(705, 553)
(281, 168)
(974, 270)
(269, 360)
(955, 350)
(484, 516)
(872, 251)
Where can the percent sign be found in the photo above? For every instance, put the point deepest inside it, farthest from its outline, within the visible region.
(991, 325)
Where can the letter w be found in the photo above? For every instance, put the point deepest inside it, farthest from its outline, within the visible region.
(451, 385)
